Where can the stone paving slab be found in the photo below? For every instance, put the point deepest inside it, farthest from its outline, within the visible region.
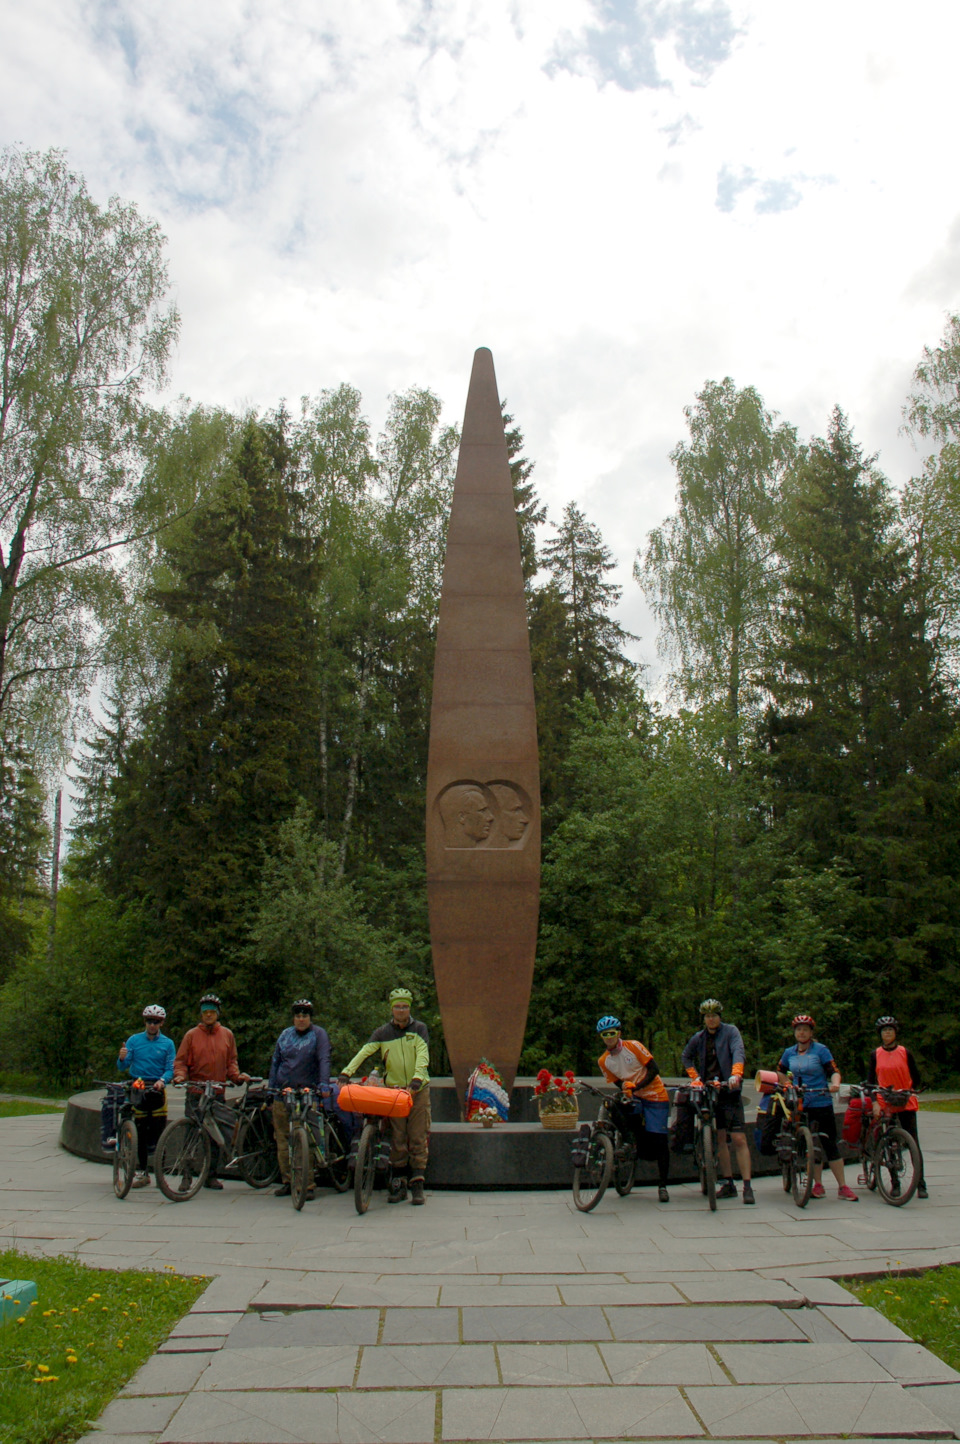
(824, 1291)
(698, 1323)
(799, 1409)
(865, 1324)
(943, 1400)
(274, 1418)
(839, 1363)
(742, 1289)
(519, 1325)
(912, 1364)
(540, 1364)
(195, 1324)
(397, 1366)
(167, 1374)
(193, 1345)
(139, 1416)
(499, 1296)
(327, 1366)
(576, 1413)
(619, 1293)
(309, 1326)
(421, 1326)
(678, 1364)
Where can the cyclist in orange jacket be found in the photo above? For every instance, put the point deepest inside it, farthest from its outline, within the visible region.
(646, 1102)
(892, 1066)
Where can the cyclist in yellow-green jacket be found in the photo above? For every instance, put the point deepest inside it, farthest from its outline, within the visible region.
(403, 1046)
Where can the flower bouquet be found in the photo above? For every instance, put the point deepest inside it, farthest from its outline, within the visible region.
(486, 1100)
(556, 1099)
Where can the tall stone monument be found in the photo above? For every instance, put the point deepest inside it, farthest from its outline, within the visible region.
(483, 778)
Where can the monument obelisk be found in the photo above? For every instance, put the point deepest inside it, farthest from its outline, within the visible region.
(483, 779)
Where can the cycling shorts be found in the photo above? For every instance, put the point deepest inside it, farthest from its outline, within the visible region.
(824, 1120)
(729, 1111)
(655, 1115)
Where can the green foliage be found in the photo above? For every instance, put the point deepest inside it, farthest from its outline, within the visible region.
(927, 1308)
(108, 1322)
(20, 1109)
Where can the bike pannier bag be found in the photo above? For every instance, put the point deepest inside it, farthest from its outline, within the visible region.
(858, 1110)
(769, 1124)
(681, 1132)
(383, 1102)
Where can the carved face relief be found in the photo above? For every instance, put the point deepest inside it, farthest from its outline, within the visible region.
(483, 815)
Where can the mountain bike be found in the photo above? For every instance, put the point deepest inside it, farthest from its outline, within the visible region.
(602, 1151)
(890, 1161)
(704, 1101)
(317, 1142)
(184, 1151)
(123, 1095)
(798, 1147)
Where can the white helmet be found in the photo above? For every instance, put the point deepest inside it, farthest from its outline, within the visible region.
(153, 1013)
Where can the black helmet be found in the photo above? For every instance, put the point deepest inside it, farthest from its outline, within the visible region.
(302, 1005)
(887, 1022)
(210, 1000)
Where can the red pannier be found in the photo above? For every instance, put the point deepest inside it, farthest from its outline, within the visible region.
(858, 1114)
(382, 1102)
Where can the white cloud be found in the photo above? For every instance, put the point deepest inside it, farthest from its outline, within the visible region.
(368, 192)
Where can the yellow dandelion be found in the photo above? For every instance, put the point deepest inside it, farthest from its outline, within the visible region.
(104, 1309)
(22, 1319)
(43, 1368)
(48, 1312)
(33, 1303)
(71, 1358)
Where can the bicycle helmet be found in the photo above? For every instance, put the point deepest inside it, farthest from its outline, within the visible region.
(803, 1018)
(607, 1023)
(154, 1013)
(210, 1000)
(711, 1005)
(302, 1005)
(401, 995)
(887, 1022)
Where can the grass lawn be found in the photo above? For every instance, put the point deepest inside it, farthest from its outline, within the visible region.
(68, 1354)
(927, 1308)
(23, 1110)
(940, 1105)
(32, 1087)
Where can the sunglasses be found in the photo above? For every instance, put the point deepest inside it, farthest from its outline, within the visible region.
(610, 1033)
(301, 1013)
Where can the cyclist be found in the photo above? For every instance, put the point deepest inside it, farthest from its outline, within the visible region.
(208, 1052)
(892, 1066)
(403, 1044)
(716, 1055)
(148, 1056)
(301, 1059)
(812, 1065)
(646, 1106)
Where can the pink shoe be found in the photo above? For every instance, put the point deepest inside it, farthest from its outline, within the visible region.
(848, 1193)
(818, 1191)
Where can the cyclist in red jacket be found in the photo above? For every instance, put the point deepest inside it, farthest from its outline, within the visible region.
(892, 1066)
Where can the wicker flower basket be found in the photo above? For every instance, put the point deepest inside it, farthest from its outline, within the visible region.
(560, 1120)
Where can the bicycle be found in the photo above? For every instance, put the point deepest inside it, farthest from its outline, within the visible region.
(317, 1142)
(798, 1147)
(126, 1149)
(603, 1151)
(705, 1137)
(184, 1151)
(889, 1157)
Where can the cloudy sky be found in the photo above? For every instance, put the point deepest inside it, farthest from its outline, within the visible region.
(622, 198)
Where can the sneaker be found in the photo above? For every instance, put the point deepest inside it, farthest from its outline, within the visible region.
(662, 1194)
(727, 1190)
(895, 1188)
(416, 1191)
(818, 1191)
(213, 1183)
(398, 1190)
(141, 1179)
(748, 1192)
(847, 1193)
(109, 1145)
(310, 1195)
(283, 1191)
(922, 1191)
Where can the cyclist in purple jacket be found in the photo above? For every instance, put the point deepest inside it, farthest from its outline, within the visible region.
(301, 1059)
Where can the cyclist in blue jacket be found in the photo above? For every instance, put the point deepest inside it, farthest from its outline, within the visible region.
(811, 1063)
(301, 1059)
(149, 1055)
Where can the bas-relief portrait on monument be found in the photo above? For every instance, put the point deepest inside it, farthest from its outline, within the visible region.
(485, 816)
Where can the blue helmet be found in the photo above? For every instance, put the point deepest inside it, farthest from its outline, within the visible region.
(607, 1022)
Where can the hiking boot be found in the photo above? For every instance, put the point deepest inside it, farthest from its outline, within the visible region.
(213, 1183)
(398, 1190)
(310, 1195)
(662, 1194)
(895, 1188)
(141, 1179)
(416, 1191)
(727, 1190)
(818, 1191)
(922, 1191)
(748, 1192)
(283, 1191)
(847, 1193)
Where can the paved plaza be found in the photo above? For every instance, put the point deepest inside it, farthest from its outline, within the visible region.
(507, 1316)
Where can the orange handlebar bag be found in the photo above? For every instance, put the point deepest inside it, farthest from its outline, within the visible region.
(383, 1102)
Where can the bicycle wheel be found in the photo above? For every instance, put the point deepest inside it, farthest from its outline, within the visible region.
(625, 1166)
(182, 1160)
(338, 1154)
(365, 1171)
(125, 1158)
(708, 1181)
(257, 1151)
(801, 1167)
(591, 1178)
(897, 1166)
(301, 1166)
